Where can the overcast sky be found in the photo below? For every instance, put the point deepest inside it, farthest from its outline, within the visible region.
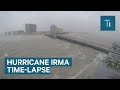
(80, 21)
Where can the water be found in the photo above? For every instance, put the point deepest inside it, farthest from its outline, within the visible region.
(104, 39)
(42, 46)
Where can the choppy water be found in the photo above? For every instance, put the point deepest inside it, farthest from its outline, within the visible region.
(104, 39)
(42, 46)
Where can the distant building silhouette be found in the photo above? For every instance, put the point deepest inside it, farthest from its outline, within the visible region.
(20, 32)
(55, 30)
(30, 28)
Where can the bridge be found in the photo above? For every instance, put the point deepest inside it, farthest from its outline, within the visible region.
(82, 42)
(113, 54)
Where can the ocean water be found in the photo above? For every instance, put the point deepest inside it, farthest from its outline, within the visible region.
(104, 39)
(42, 46)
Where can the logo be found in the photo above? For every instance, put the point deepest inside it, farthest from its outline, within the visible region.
(107, 23)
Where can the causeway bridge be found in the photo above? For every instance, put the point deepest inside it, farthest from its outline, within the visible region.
(81, 42)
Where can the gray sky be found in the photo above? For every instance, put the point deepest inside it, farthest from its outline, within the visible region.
(80, 21)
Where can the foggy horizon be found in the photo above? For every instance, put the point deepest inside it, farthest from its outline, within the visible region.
(75, 21)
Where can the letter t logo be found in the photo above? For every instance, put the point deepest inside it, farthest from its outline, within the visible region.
(107, 23)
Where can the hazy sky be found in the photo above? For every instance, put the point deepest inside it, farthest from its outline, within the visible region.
(81, 21)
